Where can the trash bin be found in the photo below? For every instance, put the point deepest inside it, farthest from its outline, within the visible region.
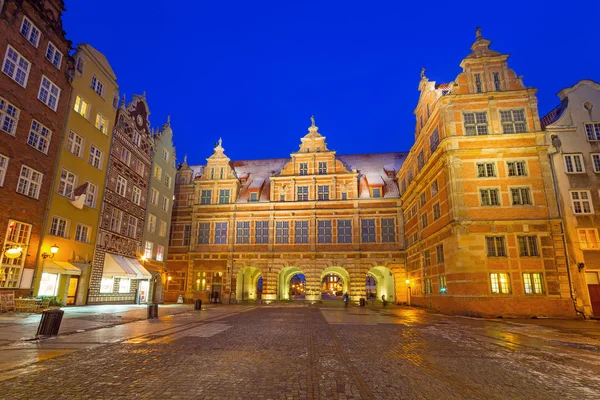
(152, 311)
(197, 305)
(50, 322)
(362, 302)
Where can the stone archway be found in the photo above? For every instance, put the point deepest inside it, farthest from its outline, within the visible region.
(338, 272)
(247, 284)
(283, 282)
(384, 283)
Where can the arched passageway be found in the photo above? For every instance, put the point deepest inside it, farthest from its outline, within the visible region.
(380, 282)
(335, 281)
(248, 284)
(291, 284)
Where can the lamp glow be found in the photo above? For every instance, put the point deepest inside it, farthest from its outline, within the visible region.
(54, 249)
(407, 281)
(13, 252)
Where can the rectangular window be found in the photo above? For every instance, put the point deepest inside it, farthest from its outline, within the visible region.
(168, 181)
(95, 157)
(424, 221)
(486, 170)
(368, 230)
(436, 211)
(151, 223)
(132, 225)
(205, 196)
(221, 233)
(497, 84)
(162, 228)
(596, 162)
(97, 86)
(3, 168)
(49, 93)
(203, 232)
(439, 253)
(476, 123)
(53, 55)
(39, 137)
(157, 172)
(520, 196)
(323, 192)
(322, 167)
(478, 84)
(442, 283)
(165, 204)
(344, 231)
(253, 197)
(495, 246)
(376, 193)
(59, 227)
(301, 232)
(125, 156)
(282, 197)
(303, 168)
(82, 233)
(165, 155)
(426, 258)
(513, 121)
(434, 188)
(17, 235)
(261, 232)
(574, 163)
(420, 160)
(190, 199)
(282, 232)
(137, 140)
(533, 283)
(428, 286)
(30, 182)
(16, 66)
(344, 196)
(136, 195)
(581, 202)
(82, 107)
(434, 141)
(67, 183)
(30, 31)
(224, 196)
(489, 197)
(528, 246)
(91, 193)
(121, 185)
(302, 193)
(154, 195)
(324, 231)
(107, 285)
(423, 199)
(124, 285)
(102, 123)
(517, 168)
(148, 250)
(160, 251)
(116, 220)
(500, 283)
(187, 235)
(242, 233)
(588, 239)
(9, 116)
(388, 230)
(592, 130)
(74, 144)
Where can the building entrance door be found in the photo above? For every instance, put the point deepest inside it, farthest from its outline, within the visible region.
(143, 292)
(72, 291)
(593, 282)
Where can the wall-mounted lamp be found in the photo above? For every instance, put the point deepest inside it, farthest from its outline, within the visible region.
(580, 266)
(407, 281)
(144, 258)
(169, 277)
(13, 252)
(53, 251)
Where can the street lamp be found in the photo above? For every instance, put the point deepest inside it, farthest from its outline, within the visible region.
(13, 252)
(53, 251)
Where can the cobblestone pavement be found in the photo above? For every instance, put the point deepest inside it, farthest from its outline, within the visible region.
(272, 352)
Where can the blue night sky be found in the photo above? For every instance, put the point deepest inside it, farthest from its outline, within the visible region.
(253, 72)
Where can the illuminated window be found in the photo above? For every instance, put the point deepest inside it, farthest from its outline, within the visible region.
(489, 197)
(97, 86)
(53, 55)
(9, 116)
(428, 286)
(221, 233)
(48, 284)
(486, 170)
(528, 246)
(107, 285)
(124, 285)
(132, 225)
(581, 202)
(157, 172)
(302, 193)
(282, 232)
(574, 163)
(82, 107)
(368, 230)
(517, 168)
(323, 192)
(162, 228)
(520, 196)
(67, 182)
(30, 182)
(49, 93)
(30, 31)
(475, 123)
(17, 235)
(588, 239)
(324, 231)
(16, 66)
(495, 246)
(160, 250)
(205, 196)
(513, 121)
(148, 250)
(344, 231)
(121, 185)
(242, 232)
(500, 283)
(301, 232)
(261, 232)
(592, 130)
(203, 232)
(533, 283)
(39, 137)
(442, 283)
(102, 124)
(116, 220)
(151, 223)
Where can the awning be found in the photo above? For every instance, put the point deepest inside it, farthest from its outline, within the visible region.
(117, 266)
(61, 267)
(142, 273)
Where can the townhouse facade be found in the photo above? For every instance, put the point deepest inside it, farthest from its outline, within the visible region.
(34, 96)
(573, 143)
(74, 205)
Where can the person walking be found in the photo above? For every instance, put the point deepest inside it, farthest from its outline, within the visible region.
(383, 300)
(346, 299)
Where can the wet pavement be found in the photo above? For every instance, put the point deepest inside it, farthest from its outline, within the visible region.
(309, 352)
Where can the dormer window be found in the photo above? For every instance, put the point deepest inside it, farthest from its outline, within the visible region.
(253, 197)
(376, 192)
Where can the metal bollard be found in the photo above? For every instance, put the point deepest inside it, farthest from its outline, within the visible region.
(50, 323)
(197, 305)
(362, 302)
(152, 311)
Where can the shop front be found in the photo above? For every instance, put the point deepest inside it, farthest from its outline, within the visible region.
(60, 279)
(125, 280)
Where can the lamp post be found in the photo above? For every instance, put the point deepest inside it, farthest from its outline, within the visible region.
(408, 292)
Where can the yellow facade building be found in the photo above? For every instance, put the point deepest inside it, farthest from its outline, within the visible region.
(67, 250)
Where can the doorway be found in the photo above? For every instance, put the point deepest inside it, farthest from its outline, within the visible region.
(72, 290)
(143, 292)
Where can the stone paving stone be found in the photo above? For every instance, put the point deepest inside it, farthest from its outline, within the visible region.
(294, 353)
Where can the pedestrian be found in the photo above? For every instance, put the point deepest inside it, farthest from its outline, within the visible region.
(346, 299)
(383, 300)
